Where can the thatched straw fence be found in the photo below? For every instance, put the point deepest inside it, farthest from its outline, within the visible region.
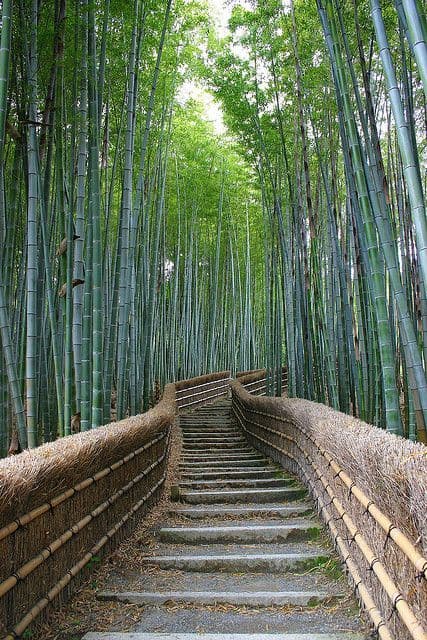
(67, 503)
(371, 490)
(192, 392)
(256, 381)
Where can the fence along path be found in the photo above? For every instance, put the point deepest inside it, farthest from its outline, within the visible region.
(370, 489)
(243, 535)
(68, 503)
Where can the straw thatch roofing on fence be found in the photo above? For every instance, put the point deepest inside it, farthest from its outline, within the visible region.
(35, 475)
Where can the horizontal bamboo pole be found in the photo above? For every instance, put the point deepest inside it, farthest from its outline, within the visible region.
(260, 384)
(32, 515)
(405, 545)
(199, 393)
(254, 391)
(397, 599)
(216, 395)
(251, 384)
(398, 537)
(199, 386)
(30, 566)
(19, 628)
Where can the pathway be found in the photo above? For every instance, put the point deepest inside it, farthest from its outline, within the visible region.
(243, 557)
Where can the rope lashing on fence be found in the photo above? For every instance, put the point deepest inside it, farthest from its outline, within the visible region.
(23, 624)
(200, 396)
(24, 571)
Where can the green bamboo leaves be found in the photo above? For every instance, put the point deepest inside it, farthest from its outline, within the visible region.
(349, 277)
(107, 283)
(140, 246)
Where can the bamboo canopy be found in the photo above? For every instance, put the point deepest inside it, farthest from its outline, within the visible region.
(143, 243)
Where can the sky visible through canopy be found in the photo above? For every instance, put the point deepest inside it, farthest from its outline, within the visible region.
(220, 11)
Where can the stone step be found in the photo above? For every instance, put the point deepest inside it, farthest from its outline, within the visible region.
(235, 483)
(225, 475)
(211, 435)
(198, 418)
(208, 421)
(244, 533)
(212, 461)
(197, 436)
(195, 456)
(244, 511)
(222, 445)
(205, 421)
(207, 437)
(242, 495)
(210, 428)
(162, 581)
(220, 464)
(229, 459)
(233, 449)
(117, 635)
(210, 410)
(237, 598)
(246, 560)
(215, 408)
(198, 450)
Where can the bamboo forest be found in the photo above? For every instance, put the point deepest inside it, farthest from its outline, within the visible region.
(145, 240)
(213, 320)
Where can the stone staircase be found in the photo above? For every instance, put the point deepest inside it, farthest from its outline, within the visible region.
(242, 556)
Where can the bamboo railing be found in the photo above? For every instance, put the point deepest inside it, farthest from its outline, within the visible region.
(257, 382)
(66, 504)
(190, 393)
(387, 565)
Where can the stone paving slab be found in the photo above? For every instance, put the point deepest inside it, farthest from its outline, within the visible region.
(205, 456)
(237, 474)
(220, 510)
(239, 495)
(161, 581)
(223, 636)
(246, 533)
(221, 445)
(221, 464)
(242, 598)
(234, 562)
(236, 482)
